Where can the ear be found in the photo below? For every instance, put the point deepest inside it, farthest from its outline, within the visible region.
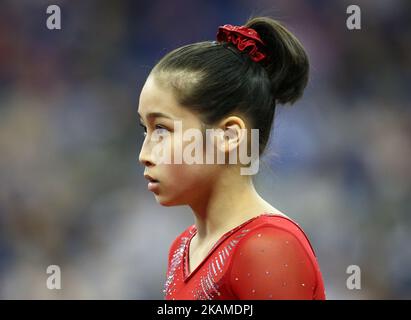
(233, 132)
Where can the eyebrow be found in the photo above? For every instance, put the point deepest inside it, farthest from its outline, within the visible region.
(152, 115)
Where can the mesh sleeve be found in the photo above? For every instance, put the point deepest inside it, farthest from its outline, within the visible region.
(272, 263)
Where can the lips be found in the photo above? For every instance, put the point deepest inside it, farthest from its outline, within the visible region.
(150, 178)
(153, 184)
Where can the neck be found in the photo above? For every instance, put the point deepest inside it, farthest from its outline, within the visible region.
(230, 201)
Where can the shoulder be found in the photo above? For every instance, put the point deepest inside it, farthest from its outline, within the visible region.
(274, 258)
(276, 229)
(271, 239)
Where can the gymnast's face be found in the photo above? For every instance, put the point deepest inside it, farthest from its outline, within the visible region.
(179, 183)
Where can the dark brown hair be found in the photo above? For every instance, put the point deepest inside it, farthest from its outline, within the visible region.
(216, 80)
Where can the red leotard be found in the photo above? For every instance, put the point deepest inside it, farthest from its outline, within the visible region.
(266, 257)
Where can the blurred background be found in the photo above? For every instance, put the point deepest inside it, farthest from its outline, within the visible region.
(72, 192)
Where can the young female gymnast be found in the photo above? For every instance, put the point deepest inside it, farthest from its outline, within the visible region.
(240, 246)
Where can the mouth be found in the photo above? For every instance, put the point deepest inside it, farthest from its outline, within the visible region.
(152, 183)
(150, 178)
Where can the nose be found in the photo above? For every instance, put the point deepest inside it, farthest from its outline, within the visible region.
(145, 156)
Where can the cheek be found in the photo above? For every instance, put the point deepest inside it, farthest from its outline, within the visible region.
(182, 176)
(186, 174)
(185, 179)
(184, 152)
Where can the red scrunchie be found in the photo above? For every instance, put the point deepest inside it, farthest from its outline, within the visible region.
(243, 38)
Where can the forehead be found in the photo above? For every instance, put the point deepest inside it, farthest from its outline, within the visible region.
(156, 98)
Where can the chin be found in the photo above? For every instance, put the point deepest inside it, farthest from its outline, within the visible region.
(168, 202)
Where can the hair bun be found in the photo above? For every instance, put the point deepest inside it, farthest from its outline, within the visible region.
(287, 64)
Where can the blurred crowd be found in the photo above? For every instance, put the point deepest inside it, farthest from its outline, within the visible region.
(72, 192)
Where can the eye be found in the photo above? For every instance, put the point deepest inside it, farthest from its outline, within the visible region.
(161, 129)
(145, 129)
